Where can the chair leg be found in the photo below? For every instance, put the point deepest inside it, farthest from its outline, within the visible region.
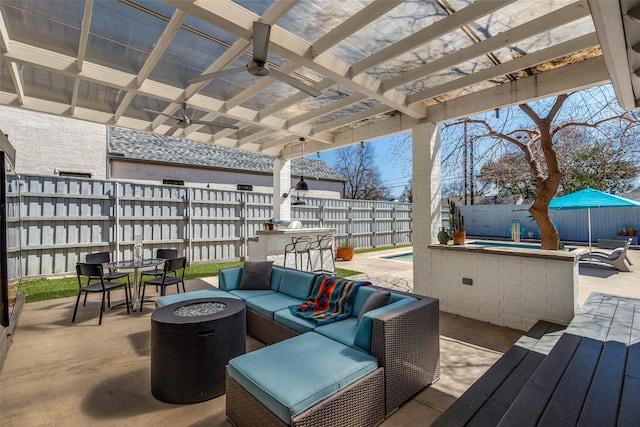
(101, 309)
(126, 297)
(183, 288)
(144, 287)
(85, 299)
(73, 319)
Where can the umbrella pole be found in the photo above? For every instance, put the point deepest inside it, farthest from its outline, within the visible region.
(589, 221)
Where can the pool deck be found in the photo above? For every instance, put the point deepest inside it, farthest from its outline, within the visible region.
(59, 373)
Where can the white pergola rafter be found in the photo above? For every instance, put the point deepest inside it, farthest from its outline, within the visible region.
(365, 106)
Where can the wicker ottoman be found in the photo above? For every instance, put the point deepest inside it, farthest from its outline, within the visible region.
(306, 380)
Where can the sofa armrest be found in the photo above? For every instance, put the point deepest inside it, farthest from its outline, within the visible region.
(406, 343)
(229, 278)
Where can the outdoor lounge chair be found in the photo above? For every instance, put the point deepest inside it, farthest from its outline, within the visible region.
(616, 258)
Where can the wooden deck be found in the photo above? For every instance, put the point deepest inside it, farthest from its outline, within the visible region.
(590, 376)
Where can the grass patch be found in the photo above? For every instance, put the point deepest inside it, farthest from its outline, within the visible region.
(46, 289)
(383, 248)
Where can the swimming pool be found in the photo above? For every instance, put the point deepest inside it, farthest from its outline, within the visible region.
(409, 256)
(402, 257)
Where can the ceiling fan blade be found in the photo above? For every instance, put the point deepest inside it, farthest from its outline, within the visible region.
(160, 113)
(261, 34)
(210, 76)
(220, 125)
(173, 129)
(285, 78)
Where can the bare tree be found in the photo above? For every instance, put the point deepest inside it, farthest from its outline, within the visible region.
(357, 164)
(537, 144)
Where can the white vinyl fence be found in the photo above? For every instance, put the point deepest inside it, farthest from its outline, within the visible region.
(54, 222)
(572, 225)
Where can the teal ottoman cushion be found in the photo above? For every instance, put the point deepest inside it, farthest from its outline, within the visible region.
(316, 367)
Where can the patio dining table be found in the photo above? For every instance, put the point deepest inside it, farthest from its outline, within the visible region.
(136, 266)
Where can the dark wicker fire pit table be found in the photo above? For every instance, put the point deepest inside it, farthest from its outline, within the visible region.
(191, 343)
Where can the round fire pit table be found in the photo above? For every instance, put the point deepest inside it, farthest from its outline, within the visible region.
(191, 343)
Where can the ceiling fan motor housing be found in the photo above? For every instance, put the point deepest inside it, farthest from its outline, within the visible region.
(257, 69)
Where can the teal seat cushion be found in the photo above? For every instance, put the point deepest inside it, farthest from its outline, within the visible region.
(186, 296)
(296, 283)
(343, 331)
(267, 305)
(316, 367)
(298, 324)
(245, 294)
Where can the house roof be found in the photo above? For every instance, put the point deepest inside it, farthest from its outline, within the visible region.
(382, 66)
(143, 146)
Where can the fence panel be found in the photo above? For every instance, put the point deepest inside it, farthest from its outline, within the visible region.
(54, 222)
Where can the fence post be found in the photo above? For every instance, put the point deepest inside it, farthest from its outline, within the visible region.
(245, 227)
(374, 227)
(190, 224)
(394, 237)
(116, 215)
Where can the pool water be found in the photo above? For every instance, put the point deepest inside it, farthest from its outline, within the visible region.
(409, 256)
(402, 257)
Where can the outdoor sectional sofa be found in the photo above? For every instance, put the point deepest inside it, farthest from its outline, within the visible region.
(347, 372)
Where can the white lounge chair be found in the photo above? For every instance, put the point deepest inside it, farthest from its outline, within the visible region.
(616, 258)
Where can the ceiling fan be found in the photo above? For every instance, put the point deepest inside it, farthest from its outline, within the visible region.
(183, 121)
(258, 67)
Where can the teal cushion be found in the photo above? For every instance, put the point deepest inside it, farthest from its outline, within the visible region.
(363, 330)
(186, 296)
(298, 324)
(276, 277)
(296, 283)
(229, 278)
(249, 293)
(316, 367)
(343, 331)
(269, 304)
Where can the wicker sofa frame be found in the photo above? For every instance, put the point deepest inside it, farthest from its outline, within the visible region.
(406, 342)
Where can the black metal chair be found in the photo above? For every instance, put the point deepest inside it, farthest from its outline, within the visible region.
(158, 272)
(95, 272)
(103, 258)
(171, 266)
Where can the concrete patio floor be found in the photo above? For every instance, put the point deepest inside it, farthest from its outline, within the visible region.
(64, 374)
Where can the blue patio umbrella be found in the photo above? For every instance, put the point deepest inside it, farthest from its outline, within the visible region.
(590, 198)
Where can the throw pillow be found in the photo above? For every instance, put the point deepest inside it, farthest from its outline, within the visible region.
(256, 275)
(377, 299)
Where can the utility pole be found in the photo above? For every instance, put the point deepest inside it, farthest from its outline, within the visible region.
(465, 162)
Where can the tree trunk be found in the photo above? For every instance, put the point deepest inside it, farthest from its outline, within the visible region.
(549, 237)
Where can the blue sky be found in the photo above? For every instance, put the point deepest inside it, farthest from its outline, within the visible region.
(394, 176)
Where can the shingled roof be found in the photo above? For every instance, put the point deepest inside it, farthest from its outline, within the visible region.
(142, 146)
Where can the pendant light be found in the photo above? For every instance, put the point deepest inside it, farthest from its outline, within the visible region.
(302, 185)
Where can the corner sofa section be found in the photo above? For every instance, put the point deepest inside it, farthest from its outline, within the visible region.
(402, 337)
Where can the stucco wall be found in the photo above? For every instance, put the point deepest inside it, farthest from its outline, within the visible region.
(151, 173)
(511, 291)
(46, 144)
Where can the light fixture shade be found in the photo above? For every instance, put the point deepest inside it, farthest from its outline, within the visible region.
(298, 202)
(302, 185)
